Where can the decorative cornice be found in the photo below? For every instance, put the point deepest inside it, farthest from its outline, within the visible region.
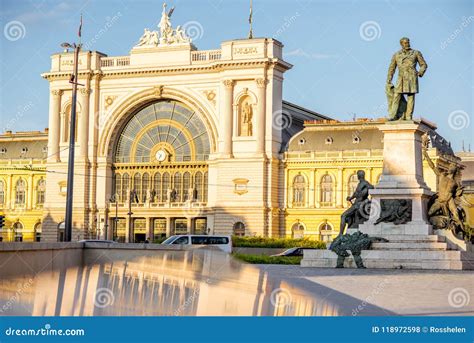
(228, 83)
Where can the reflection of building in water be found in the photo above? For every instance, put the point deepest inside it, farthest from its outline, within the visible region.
(173, 283)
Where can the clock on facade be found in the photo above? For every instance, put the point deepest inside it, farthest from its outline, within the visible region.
(160, 155)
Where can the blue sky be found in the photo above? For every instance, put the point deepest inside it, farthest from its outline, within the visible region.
(340, 50)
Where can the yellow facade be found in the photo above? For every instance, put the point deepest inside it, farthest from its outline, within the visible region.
(314, 207)
(22, 184)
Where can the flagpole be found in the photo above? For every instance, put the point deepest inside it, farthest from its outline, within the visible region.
(250, 21)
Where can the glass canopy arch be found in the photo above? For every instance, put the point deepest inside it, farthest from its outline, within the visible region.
(165, 125)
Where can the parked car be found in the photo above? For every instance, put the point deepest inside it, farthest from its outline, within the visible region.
(223, 242)
(298, 251)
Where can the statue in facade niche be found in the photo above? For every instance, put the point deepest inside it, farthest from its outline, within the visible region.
(406, 61)
(247, 116)
(444, 207)
(360, 209)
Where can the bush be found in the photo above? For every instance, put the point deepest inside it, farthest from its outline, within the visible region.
(264, 259)
(262, 242)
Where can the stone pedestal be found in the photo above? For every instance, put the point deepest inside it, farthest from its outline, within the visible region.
(402, 176)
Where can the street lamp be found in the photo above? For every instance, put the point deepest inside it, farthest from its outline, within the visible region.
(72, 139)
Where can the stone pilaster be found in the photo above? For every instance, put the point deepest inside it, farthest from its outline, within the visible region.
(83, 138)
(227, 117)
(54, 125)
(261, 109)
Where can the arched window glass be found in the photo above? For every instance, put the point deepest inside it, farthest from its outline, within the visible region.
(239, 229)
(204, 193)
(325, 232)
(165, 187)
(326, 190)
(2, 192)
(145, 186)
(137, 185)
(157, 187)
(198, 186)
(352, 185)
(299, 190)
(38, 230)
(61, 231)
(20, 192)
(297, 231)
(40, 191)
(125, 187)
(178, 187)
(186, 186)
(18, 231)
(118, 188)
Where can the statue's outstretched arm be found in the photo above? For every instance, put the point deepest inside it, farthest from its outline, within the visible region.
(430, 162)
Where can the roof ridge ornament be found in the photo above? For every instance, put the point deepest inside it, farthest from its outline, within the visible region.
(166, 34)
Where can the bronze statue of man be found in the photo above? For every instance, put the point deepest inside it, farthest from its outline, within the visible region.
(406, 61)
(361, 196)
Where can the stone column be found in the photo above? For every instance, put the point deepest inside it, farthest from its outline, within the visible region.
(54, 125)
(189, 225)
(227, 117)
(30, 192)
(83, 138)
(261, 109)
(168, 226)
(128, 230)
(149, 228)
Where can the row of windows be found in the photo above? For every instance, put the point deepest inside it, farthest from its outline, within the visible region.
(327, 184)
(161, 187)
(325, 231)
(16, 233)
(21, 191)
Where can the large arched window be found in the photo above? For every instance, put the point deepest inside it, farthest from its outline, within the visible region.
(165, 187)
(38, 231)
(157, 187)
(297, 231)
(299, 190)
(239, 229)
(164, 131)
(352, 184)
(20, 192)
(118, 188)
(326, 190)
(178, 187)
(137, 185)
(325, 232)
(125, 187)
(40, 191)
(2, 192)
(145, 186)
(186, 186)
(198, 186)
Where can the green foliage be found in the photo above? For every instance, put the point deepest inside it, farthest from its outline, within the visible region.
(262, 242)
(264, 259)
(159, 240)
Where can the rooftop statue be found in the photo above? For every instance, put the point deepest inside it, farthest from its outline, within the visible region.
(406, 61)
(166, 34)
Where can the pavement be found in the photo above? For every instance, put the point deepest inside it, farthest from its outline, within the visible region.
(384, 291)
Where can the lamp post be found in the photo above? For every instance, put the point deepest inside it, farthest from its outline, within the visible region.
(72, 139)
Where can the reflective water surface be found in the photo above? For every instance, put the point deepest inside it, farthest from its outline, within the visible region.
(153, 283)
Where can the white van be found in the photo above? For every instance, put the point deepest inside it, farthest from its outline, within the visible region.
(223, 242)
